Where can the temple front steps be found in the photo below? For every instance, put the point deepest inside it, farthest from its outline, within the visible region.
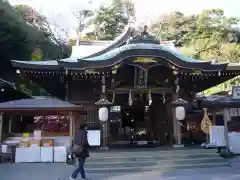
(153, 160)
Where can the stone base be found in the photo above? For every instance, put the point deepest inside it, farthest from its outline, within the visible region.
(104, 148)
(178, 145)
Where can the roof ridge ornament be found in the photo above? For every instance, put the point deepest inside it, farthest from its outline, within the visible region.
(144, 37)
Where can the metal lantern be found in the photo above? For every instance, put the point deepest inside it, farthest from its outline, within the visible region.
(180, 113)
(103, 114)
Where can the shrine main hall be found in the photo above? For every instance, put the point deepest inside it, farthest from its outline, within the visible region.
(137, 77)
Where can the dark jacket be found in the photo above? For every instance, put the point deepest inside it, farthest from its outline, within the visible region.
(81, 139)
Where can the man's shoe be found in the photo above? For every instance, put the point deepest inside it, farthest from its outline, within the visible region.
(71, 178)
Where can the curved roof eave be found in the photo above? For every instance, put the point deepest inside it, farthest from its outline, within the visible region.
(48, 65)
(115, 44)
(115, 56)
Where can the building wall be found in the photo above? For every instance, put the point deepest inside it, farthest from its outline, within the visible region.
(84, 92)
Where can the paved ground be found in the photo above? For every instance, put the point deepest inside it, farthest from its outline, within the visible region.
(62, 172)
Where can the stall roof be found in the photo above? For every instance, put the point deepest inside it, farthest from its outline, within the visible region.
(4, 83)
(36, 104)
(220, 101)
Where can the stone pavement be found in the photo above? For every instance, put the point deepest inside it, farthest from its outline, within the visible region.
(62, 172)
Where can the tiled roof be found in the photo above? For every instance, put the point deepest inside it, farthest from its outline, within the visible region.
(36, 103)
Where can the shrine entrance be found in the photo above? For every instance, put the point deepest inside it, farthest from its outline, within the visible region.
(140, 124)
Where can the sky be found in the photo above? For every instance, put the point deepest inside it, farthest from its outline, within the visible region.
(146, 10)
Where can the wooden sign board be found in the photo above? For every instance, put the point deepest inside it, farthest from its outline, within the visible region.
(145, 60)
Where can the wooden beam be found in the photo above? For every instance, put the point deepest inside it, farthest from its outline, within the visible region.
(140, 90)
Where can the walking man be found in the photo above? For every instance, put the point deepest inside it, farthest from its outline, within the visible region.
(80, 149)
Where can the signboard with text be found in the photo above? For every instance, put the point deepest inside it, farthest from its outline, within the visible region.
(236, 92)
(145, 60)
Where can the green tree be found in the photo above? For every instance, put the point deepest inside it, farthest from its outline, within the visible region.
(109, 21)
(231, 52)
(47, 35)
(174, 26)
(212, 30)
(18, 40)
(205, 30)
(209, 35)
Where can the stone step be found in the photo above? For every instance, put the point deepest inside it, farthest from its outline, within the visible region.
(154, 168)
(138, 157)
(154, 153)
(153, 160)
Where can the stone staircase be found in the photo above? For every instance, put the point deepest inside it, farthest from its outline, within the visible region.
(153, 160)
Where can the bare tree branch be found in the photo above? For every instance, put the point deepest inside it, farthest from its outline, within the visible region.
(52, 30)
(82, 16)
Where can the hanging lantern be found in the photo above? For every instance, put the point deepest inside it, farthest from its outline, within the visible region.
(180, 113)
(103, 114)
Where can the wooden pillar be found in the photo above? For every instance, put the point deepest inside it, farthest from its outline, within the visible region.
(10, 124)
(104, 125)
(1, 125)
(71, 117)
(74, 124)
(72, 127)
(176, 124)
(214, 117)
(170, 120)
(66, 85)
(226, 118)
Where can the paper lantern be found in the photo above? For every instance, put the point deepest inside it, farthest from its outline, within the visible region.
(103, 114)
(180, 113)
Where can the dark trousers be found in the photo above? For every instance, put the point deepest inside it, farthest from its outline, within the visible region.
(80, 169)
